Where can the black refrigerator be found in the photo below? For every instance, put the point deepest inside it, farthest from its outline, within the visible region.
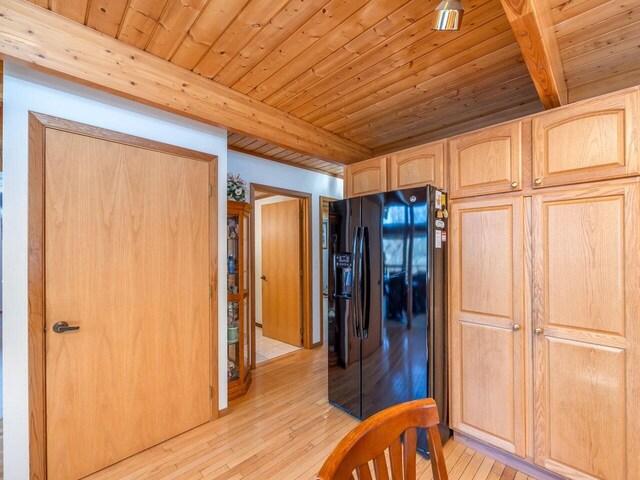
(387, 302)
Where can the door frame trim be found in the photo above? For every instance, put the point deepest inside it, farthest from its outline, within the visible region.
(323, 199)
(38, 124)
(307, 266)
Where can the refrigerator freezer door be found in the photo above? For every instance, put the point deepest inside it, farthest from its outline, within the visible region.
(344, 354)
(394, 360)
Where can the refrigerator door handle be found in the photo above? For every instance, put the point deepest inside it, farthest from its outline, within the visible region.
(355, 281)
(366, 254)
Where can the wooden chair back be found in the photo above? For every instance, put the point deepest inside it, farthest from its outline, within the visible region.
(395, 430)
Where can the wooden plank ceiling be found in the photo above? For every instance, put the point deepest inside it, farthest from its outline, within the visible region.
(371, 71)
(599, 42)
(259, 148)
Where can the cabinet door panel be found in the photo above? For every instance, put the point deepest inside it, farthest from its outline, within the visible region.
(417, 167)
(488, 161)
(586, 285)
(487, 296)
(366, 177)
(589, 141)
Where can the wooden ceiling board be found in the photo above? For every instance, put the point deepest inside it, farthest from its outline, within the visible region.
(106, 15)
(317, 39)
(446, 105)
(139, 21)
(215, 19)
(599, 44)
(239, 33)
(255, 145)
(287, 84)
(408, 66)
(562, 10)
(257, 148)
(323, 167)
(75, 10)
(400, 45)
(177, 18)
(490, 70)
(485, 120)
(407, 77)
(295, 14)
(453, 113)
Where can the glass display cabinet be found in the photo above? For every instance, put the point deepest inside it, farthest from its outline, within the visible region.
(238, 314)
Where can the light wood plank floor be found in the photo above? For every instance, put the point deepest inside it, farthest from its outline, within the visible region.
(283, 429)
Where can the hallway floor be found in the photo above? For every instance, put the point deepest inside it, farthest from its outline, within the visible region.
(283, 429)
(269, 348)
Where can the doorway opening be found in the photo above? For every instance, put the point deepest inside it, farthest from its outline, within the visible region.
(281, 273)
(326, 284)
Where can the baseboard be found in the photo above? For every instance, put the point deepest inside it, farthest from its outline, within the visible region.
(317, 344)
(224, 412)
(509, 459)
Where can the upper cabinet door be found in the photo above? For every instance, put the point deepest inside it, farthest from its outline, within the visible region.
(366, 177)
(587, 343)
(488, 161)
(417, 167)
(487, 321)
(594, 140)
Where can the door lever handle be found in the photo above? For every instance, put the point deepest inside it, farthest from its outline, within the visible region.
(61, 327)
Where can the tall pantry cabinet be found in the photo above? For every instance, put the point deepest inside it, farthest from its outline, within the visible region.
(545, 288)
(544, 283)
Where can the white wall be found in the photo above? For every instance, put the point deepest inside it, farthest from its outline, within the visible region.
(26, 90)
(257, 248)
(256, 170)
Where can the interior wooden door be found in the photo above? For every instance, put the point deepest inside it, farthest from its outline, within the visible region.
(587, 349)
(487, 322)
(127, 261)
(416, 167)
(282, 271)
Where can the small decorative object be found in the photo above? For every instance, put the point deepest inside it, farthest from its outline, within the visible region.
(232, 333)
(236, 188)
(325, 233)
(231, 369)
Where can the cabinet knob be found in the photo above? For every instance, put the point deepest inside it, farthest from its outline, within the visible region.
(537, 181)
(514, 184)
(538, 331)
(516, 327)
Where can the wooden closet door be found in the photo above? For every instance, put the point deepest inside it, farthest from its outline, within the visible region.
(416, 167)
(587, 342)
(593, 140)
(487, 322)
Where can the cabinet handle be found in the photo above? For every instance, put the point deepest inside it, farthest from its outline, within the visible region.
(538, 331)
(514, 184)
(515, 327)
(537, 181)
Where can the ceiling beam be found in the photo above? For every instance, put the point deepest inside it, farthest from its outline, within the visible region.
(533, 27)
(34, 36)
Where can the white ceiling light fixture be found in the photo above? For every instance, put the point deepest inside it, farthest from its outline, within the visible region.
(448, 15)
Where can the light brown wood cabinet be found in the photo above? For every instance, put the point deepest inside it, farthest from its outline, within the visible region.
(416, 167)
(487, 321)
(487, 161)
(594, 140)
(364, 178)
(586, 278)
